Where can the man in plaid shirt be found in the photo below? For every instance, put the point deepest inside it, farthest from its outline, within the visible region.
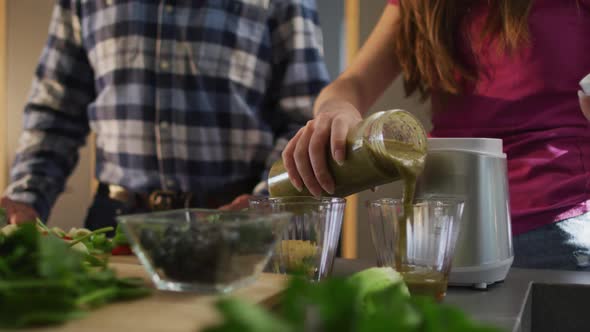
(190, 101)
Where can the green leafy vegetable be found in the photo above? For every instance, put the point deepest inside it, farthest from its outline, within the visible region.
(371, 300)
(42, 226)
(81, 239)
(44, 281)
(96, 242)
(3, 220)
(374, 281)
(242, 316)
(90, 236)
(120, 239)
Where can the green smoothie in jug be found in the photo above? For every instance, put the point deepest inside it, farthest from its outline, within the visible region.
(362, 169)
(386, 147)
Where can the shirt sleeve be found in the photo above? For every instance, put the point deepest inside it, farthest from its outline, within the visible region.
(55, 120)
(299, 70)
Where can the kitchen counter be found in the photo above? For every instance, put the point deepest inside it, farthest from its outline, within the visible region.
(165, 311)
(510, 305)
(507, 305)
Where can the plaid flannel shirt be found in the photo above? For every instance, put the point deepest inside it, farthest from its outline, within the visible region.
(182, 95)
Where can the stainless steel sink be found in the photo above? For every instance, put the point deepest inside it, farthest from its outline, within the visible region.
(556, 308)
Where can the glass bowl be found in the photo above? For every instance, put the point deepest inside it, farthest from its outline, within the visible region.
(310, 241)
(203, 250)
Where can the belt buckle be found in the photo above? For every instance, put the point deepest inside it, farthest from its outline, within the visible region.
(118, 193)
(162, 200)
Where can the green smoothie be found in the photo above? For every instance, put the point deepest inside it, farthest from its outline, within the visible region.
(364, 168)
(425, 283)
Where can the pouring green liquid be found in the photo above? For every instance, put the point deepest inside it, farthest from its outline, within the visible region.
(386, 147)
(364, 168)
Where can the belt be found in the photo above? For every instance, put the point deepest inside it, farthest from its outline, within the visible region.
(157, 200)
(161, 200)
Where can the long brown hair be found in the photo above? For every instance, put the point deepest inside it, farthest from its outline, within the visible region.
(426, 44)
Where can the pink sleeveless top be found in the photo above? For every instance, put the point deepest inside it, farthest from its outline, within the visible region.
(529, 100)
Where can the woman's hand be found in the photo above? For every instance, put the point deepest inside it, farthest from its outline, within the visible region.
(339, 107)
(18, 213)
(585, 104)
(305, 155)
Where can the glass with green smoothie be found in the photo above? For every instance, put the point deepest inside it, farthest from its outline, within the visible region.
(418, 242)
(385, 147)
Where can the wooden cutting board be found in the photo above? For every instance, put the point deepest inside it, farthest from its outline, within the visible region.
(166, 311)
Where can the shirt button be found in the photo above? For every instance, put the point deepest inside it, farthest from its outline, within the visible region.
(164, 125)
(168, 8)
(164, 64)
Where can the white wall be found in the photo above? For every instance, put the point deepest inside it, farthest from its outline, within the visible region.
(393, 98)
(27, 25)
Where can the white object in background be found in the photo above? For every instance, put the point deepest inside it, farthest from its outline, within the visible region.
(487, 146)
(585, 84)
(474, 168)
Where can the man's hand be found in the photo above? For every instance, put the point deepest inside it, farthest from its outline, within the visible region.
(585, 104)
(239, 203)
(16, 212)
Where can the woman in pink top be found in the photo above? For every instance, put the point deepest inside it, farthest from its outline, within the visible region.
(504, 69)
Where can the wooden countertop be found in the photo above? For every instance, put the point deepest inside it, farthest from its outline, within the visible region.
(165, 311)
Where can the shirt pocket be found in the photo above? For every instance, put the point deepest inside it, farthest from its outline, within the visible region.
(231, 41)
(111, 35)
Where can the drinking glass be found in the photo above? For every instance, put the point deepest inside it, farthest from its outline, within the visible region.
(309, 242)
(418, 241)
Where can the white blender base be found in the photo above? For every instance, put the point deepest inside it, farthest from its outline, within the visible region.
(481, 276)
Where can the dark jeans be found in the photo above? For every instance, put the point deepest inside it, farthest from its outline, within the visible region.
(104, 211)
(564, 245)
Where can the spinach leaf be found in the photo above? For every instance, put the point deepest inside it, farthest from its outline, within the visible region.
(244, 317)
(3, 220)
(44, 281)
(375, 300)
(120, 238)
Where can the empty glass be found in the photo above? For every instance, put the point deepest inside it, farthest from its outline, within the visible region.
(419, 243)
(310, 240)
